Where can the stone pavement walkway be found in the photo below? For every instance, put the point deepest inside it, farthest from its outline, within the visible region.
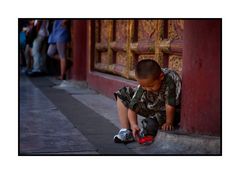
(91, 121)
(44, 129)
(53, 122)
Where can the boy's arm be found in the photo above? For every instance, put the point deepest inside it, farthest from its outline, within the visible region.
(132, 117)
(170, 111)
(133, 107)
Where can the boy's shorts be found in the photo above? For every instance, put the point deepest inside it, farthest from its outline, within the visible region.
(126, 94)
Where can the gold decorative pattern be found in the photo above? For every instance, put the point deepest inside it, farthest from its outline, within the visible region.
(121, 58)
(121, 38)
(104, 57)
(110, 39)
(147, 56)
(175, 29)
(165, 45)
(158, 41)
(175, 63)
(119, 44)
(175, 32)
(104, 30)
(146, 30)
(121, 30)
(130, 37)
(117, 69)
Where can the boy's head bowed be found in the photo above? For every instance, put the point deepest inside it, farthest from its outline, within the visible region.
(147, 68)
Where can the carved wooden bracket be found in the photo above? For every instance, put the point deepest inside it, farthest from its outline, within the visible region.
(176, 47)
(166, 45)
(118, 46)
(171, 46)
(101, 46)
(142, 48)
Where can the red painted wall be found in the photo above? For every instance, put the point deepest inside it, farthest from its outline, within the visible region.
(201, 107)
(79, 48)
(107, 84)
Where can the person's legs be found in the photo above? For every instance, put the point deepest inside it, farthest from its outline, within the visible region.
(28, 57)
(52, 50)
(22, 56)
(26, 54)
(61, 48)
(63, 68)
(122, 114)
(43, 55)
(123, 97)
(36, 51)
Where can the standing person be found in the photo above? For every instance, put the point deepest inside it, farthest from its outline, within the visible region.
(58, 40)
(22, 24)
(30, 36)
(39, 48)
(22, 46)
(157, 98)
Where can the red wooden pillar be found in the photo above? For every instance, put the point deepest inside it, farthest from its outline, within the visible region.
(201, 101)
(79, 49)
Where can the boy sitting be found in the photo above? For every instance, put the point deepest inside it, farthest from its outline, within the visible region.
(157, 97)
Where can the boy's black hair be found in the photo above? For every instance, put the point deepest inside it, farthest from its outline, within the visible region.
(147, 68)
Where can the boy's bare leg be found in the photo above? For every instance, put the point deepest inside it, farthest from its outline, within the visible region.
(122, 114)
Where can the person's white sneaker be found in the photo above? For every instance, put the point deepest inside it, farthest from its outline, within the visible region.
(124, 136)
(62, 85)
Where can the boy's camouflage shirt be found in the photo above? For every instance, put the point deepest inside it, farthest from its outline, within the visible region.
(153, 102)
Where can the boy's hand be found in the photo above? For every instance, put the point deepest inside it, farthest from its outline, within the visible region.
(135, 130)
(167, 126)
(169, 118)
